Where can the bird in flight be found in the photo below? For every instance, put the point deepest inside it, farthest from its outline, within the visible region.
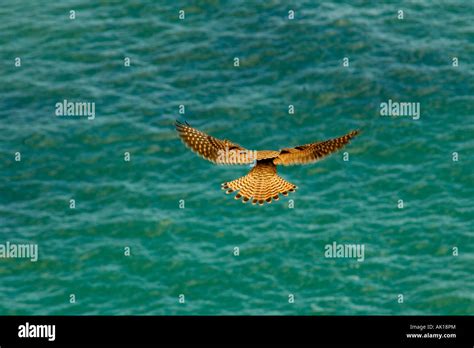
(262, 184)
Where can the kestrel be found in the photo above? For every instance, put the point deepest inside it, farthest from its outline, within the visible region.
(262, 183)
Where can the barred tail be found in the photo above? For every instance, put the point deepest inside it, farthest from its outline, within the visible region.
(261, 184)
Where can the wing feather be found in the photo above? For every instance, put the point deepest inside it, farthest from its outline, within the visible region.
(310, 153)
(215, 150)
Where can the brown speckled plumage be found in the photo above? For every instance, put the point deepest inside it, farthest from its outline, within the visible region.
(262, 184)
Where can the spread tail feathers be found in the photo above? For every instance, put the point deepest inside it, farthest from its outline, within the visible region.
(261, 184)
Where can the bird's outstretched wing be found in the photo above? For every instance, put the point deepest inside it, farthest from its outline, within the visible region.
(213, 149)
(312, 152)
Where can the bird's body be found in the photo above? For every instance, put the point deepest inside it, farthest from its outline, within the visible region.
(266, 154)
(262, 184)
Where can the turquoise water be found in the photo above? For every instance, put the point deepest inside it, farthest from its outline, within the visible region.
(189, 251)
